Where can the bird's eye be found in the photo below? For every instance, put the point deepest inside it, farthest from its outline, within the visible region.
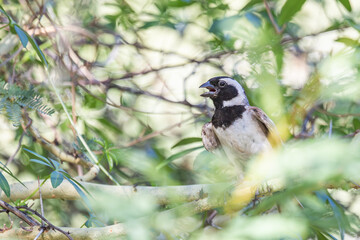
(222, 84)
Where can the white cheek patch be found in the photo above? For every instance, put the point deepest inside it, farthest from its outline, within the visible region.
(240, 99)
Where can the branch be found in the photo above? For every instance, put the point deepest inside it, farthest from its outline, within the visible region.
(272, 20)
(66, 191)
(145, 93)
(109, 232)
(29, 220)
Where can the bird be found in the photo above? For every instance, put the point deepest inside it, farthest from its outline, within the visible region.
(237, 129)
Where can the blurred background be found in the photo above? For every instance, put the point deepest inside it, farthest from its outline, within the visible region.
(129, 74)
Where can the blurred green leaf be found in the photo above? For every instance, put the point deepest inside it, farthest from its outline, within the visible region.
(356, 123)
(7, 170)
(22, 35)
(272, 227)
(338, 212)
(4, 185)
(176, 156)
(186, 141)
(346, 4)
(7, 15)
(93, 221)
(180, 3)
(350, 22)
(348, 41)
(38, 50)
(110, 160)
(253, 18)
(252, 3)
(290, 8)
(219, 26)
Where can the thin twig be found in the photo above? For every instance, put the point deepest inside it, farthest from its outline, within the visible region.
(272, 20)
(41, 201)
(50, 225)
(156, 133)
(124, 107)
(29, 220)
(39, 234)
(145, 93)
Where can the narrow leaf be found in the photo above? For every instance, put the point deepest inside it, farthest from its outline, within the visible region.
(38, 50)
(80, 192)
(54, 163)
(251, 4)
(4, 185)
(186, 141)
(4, 12)
(356, 123)
(22, 35)
(37, 155)
(346, 4)
(56, 178)
(40, 162)
(7, 170)
(109, 157)
(176, 156)
(290, 8)
(348, 41)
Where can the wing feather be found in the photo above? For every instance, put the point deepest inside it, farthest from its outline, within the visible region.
(209, 139)
(267, 125)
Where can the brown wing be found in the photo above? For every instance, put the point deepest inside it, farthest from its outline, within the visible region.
(209, 139)
(267, 125)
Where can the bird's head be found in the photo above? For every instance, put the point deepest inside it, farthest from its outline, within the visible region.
(225, 92)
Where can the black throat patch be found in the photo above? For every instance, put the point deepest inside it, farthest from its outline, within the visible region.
(224, 117)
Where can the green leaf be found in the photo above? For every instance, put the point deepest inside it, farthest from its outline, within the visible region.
(22, 35)
(219, 26)
(110, 160)
(337, 209)
(251, 4)
(176, 156)
(180, 3)
(348, 41)
(38, 50)
(54, 163)
(150, 24)
(346, 4)
(7, 170)
(186, 141)
(254, 19)
(4, 12)
(356, 123)
(290, 8)
(4, 185)
(79, 191)
(56, 178)
(40, 162)
(93, 221)
(38, 155)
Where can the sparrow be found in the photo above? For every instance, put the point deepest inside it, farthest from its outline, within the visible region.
(236, 128)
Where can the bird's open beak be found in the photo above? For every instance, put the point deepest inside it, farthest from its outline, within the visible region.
(212, 91)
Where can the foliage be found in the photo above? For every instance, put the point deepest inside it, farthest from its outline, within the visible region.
(13, 98)
(129, 71)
